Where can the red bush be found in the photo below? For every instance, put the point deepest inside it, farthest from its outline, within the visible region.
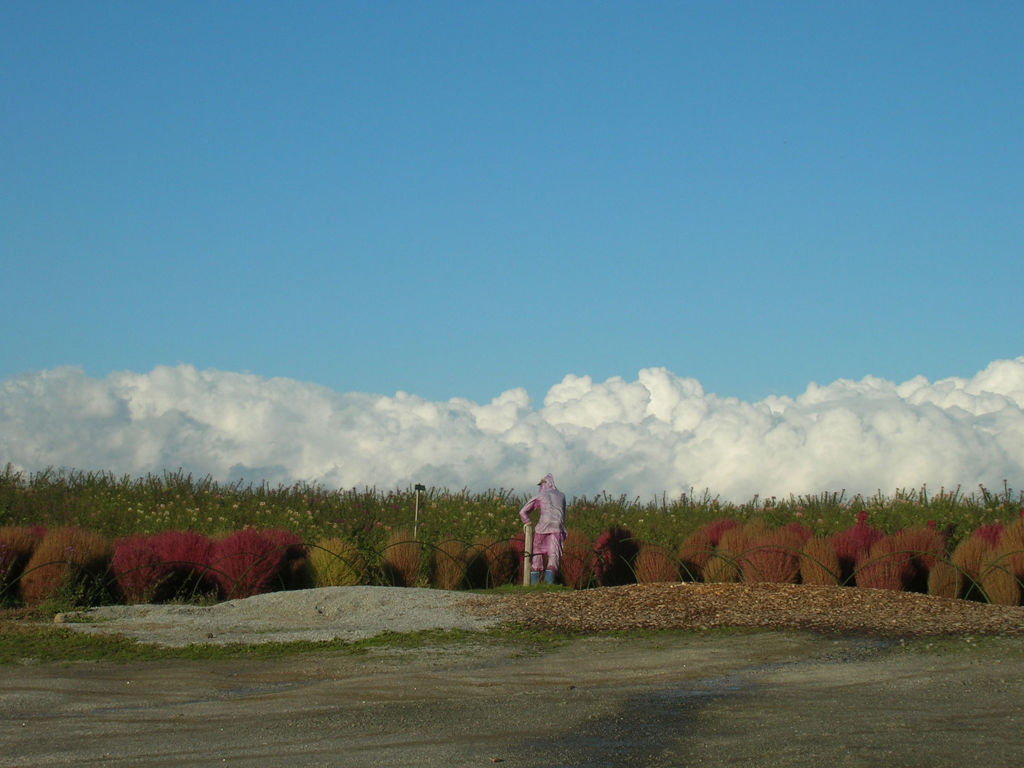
(577, 565)
(989, 533)
(293, 570)
(614, 552)
(184, 558)
(245, 563)
(716, 528)
(136, 568)
(853, 544)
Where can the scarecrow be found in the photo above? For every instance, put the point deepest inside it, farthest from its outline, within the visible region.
(550, 531)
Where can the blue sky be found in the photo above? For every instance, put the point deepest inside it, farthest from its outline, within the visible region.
(457, 199)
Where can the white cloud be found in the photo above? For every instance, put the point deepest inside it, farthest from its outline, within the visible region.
(658, 433)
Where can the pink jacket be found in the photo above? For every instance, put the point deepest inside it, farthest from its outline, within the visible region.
(551, 503)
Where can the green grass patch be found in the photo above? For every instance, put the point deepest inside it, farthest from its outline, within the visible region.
(30, 639)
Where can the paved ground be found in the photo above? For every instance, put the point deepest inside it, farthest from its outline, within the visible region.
(680, 699)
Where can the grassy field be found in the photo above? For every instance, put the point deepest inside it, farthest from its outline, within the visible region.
(118, 506)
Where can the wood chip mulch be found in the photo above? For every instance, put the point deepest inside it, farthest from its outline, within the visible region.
(842, 610)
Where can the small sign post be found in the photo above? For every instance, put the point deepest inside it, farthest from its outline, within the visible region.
(416, 517)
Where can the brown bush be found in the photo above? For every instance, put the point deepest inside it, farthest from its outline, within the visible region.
(724, 564)
(17, 543)
(491, 563)
(693, 555)
(945, 580)
(924, 547)
(997, 579)
(449, 564)
(887, 565)
(968, 559)
(401, 560)
(772, 557)
(69, 564)
(577, 567)
(336, 562)
(654, 564)
(819, 563)
(1002, 571)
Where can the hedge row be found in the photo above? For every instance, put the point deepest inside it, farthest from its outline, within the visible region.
(77, 566)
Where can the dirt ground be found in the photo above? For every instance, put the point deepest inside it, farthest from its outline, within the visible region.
(685, 698)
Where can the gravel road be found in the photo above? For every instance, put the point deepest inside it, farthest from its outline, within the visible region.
(781, 696)
(765, 698)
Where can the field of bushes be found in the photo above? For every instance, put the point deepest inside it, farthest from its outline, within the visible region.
(71, 537)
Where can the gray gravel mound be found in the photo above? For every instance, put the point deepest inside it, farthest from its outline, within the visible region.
(328, 613)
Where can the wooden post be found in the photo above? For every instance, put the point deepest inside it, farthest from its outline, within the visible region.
(527, 553)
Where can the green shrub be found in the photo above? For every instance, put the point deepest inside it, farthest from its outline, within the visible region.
(336, 562)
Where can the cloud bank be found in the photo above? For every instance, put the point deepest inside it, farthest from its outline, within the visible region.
(659, 433)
